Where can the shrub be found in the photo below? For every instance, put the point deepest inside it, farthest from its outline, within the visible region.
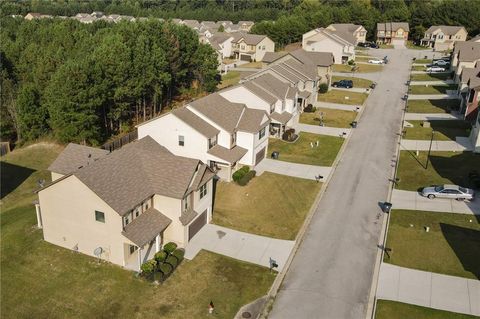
(351, 62)
(179, 253)
(246, 178)
(161, 256)
(166, 269)
(172, 260)
(148, 267)
(309, 108)
(169, 247)
(323, 88)
(237, 175)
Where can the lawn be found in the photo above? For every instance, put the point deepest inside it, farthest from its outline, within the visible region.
(430, 76)
(431, 89)
(411, 45)
(385, 46)
(45, 281)
(362, 68)
(301, 151)
(270, 205)
(419, 68)
(339, 96)
(357, 82)
(432, 106)
(362, 59)
(445, 130)
(387, 309)
(331, 117)
(423, 61)
(451, 246)
(443, 168)
(231, 78)
(253, 65)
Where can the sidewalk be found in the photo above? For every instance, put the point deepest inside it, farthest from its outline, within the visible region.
(337, 106)
(323, 130)
(292, 169)
(414, 201)
(439, 82)
(431, 96)
(428, 289)
(460, 145)
(358, 90)
(432, 116)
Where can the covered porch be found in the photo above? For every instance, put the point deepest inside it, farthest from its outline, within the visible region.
(278, 124)
(302, 100)
(224, 161)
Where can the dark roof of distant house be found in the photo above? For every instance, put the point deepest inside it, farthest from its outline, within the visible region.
(75, 156)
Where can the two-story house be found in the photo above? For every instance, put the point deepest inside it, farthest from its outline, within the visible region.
(392, 32)
(469, 89)
(123, 206)
(465, 55)
(443, 37)
(251, 47)
(358, 32)
(216, 131)
(337, 42)
(245, 26)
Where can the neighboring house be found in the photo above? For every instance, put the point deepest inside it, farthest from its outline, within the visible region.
(339, 43)
(465, 54)
(245, 26)
(34, 15)
(232, 28)
(442, 37)
(392, 32)
(222, 43)
(123, 206)
(85, 18)
(225, 23)
(194, 24)
(475, 134)
(469, 89)
(251, 47)
(358, 32)
(214, 130)
(475, 38)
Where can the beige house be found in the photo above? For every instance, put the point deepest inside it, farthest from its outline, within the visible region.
(245, 26)
(124, 205)
(392, 32)
(465, 54)
(469, 91)
(34, 15)
(442, 37)
(338, 43)
(251, 47)
(358, 32)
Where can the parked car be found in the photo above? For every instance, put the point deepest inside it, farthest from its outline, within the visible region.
(435, 69)
(448, 191)
(368, 45)
(343, 84)
(376, 61)
(441, 63)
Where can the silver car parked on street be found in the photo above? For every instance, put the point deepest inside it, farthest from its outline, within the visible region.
(448, 191)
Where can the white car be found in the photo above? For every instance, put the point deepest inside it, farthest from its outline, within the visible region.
(441, 63)
(375, 61)
(435, 69)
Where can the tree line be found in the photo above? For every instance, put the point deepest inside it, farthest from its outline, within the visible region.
(86, 82)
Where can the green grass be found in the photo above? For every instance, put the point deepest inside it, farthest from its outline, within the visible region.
(445, 130)
(362, 59)
(386, 46)
(430, 76)
(362, 68)
(229, 79)
(253, 65)
(443, 168)
(432, 106)
(431, 89)
(410, 45)
(338, 96)
(451, 246)
(301, 152)
(270, 205)
(419, 68)
(423, 61)
(331, 117)
(40, 280)
(357, 82)
(387, 309)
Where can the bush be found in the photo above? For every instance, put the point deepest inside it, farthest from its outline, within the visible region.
(160, 256)
(351, 62)
(172, 260)
(237, 175)
(169, 248)
(310, 109)
(246, 178)
(148, 267)
(166, 269)
(323, 88)
(179, 253)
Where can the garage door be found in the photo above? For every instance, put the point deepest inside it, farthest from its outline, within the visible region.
(245, 57)
(260, 156)
(398, 42)
(197, 224)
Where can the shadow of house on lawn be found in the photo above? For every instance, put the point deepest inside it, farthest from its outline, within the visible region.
(465, 243)
(456, 168)
(451, 128)
(12, 176)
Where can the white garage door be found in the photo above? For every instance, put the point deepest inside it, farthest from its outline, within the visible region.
(398, 43)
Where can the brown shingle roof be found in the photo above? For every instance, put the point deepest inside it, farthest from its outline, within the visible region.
(468, 51)
(272, 85)
(195, 122)
(264, 95)
(229, 155)
(313, 58)
(252, 121)
(392, 26)
(272, 56)
(250, 39)
(146, 226)
(446, 29)
(75, 156)
(281, 118)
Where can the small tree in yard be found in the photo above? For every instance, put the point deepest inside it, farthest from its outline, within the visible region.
(323, 88)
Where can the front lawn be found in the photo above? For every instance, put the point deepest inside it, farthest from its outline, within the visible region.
(385, 46)
(411, 45)
(301, 151)
(357, 82)
(40, 280)
(443, 168)
(331, 117)
(419, 68)
(231, 78)
(423, 61)
(343, 97)
(271, 205)
(445, 130)
(430, 76)
(432, 106)
(253, 65)
(387, 309)
(432, 89)
(362, 68)
(451, 246)
(362, 59)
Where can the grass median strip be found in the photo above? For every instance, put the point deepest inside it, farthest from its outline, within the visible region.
(387, 309)
(357, 82)
(444, 130)
(450, 247)
(432, 106)
(430, 76)
(431, 89)
(343, 97)
(362, 68)
(270, 205)
(331, 117)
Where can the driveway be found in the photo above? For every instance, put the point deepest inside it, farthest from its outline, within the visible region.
(292, 169)
(432, 116)
(461, 144)
(414, 201)
(239, 245)
(446, 82)
(323, 130)
(432, 96)
(428, 289)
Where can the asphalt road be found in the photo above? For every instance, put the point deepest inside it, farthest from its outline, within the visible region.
(331, 273)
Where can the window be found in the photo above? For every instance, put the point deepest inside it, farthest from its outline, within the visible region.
(127, 219)
(185, 203)
(137, 213)
(263, 47)
(233, 138)
(99, 216)
(272, 108)
(181, 140)
(212, 142)
(146, 206)
(261, 134)
(203, 190)
(132, 249)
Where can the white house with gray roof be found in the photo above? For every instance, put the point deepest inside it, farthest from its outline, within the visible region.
(123, 206)
(358, 32)
(443, 37)
(341, 44)
(251, 47)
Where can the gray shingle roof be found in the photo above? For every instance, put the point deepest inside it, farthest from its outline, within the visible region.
(195, 122)
(250, 39)
(229, 155)
(264, 95)
(272, 85)
(272, 56)
(146, 226)
(313, 58)
(446, 29)
(251, 121)
(467, 51)
(282, 118)
(75, 156)
(345, 27)
(392, 26)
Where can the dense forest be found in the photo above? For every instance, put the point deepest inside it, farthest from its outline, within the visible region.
(85, 83)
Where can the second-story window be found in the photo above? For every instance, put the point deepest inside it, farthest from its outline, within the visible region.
(212, 142)
(272, 108)
(261, 134)
(185, 203)
(203, 191)
(233, 139)
(181, 140)
(100, 216)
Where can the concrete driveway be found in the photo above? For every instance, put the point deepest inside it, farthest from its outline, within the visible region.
(239, 245)
(432, 116)
(292, 169)
(414, 201)
(428, 289)
(432, 96)
(460, 145)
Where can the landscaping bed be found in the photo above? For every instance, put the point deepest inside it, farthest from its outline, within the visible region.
(330, 117)
(271, 205)
(229, 79)
(338, 96)
(357, 82)
(443, 168)
(451, 246)
(362, 68)
(430, 76)
(387, 309)
(433, 106)
(301, 151)
(431, 89)
(445, 130)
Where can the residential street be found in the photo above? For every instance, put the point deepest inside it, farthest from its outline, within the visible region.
(331, 274)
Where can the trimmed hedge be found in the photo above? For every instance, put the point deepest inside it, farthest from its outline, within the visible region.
(179, 253)
(237, 175)
(246, 178)
(323, 88)
(166, 269)
(148, 267)
(172, 260)
(169, 248)
(161, 256)
(310, 108)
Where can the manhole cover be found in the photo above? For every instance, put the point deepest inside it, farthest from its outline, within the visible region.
(246, 314)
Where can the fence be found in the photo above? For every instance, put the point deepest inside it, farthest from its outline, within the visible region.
(119, 142)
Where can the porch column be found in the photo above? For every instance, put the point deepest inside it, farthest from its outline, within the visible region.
(139, 257)
(39, 215)
(157, 243)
